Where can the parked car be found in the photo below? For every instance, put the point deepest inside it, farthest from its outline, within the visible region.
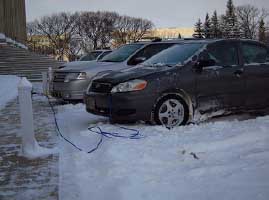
(201, 76)
(71, 82)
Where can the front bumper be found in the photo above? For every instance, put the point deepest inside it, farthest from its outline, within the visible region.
(73, 90)
(123, 107)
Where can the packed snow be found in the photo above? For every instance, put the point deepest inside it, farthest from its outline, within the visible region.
(217, 159)
(221, 159)
(8, 89)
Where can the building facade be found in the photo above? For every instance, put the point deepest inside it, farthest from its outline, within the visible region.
(13, 19)
(168, 33)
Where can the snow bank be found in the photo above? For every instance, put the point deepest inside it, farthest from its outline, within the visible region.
(8, 89)
(228, 159)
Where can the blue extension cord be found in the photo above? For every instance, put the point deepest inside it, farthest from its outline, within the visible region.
(135, 135)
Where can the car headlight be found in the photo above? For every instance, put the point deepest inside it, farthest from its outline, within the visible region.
(75, 76)
(133, 85)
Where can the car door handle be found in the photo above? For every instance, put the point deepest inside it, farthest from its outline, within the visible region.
(239, 72)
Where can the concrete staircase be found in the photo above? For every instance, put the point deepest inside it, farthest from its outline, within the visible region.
(21, 62)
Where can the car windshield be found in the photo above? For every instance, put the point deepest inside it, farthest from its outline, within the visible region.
(103, 55)
(175, 55)
(122, 53)
(91, 56)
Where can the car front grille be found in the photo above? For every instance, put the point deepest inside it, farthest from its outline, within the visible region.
(101, 87)
(59, 76)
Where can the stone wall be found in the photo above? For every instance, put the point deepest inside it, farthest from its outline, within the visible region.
(13, 19)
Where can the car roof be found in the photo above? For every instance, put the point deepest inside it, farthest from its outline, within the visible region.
(101, 50)
(159, 41)
(193, 40)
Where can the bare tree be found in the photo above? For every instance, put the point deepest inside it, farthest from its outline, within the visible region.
(131, 29)
(60, 29)
(139, 28)
(71, 34)
(249, 17)
(31, 28)
(97, 27)
(123, 27)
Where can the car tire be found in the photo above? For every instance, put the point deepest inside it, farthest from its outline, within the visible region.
(171, 111)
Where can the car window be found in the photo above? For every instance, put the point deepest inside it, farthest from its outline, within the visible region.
(87, 57)
(254, 53)
(223, 53)
(174, 55)
(104, 54)
(91, 56)
(122, 53)
(148, 52)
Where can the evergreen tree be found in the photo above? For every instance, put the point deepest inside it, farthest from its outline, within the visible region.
(231, 27)
(207, 27)
(262, 36)
(215, 26)
(198, 29)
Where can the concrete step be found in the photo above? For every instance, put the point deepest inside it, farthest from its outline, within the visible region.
(21, 62)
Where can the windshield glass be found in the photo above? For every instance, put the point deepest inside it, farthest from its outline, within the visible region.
(121, 53)
(91, 56)
(103, 55)
(176, 54)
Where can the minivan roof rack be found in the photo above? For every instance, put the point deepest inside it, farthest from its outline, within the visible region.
(151, 39)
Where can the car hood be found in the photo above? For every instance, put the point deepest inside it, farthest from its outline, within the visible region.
(77, 65)
(136, 72)
(92, 67)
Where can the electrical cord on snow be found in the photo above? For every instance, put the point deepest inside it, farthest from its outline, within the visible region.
(135, 135)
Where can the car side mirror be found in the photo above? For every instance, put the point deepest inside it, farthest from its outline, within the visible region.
(139, 60)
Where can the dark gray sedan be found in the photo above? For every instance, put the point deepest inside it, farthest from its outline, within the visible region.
(186, 81)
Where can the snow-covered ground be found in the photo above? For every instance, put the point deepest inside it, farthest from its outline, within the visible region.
(227, 159)
(218, 159)
(8, 89)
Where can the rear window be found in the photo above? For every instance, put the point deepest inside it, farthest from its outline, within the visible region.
(254, 53)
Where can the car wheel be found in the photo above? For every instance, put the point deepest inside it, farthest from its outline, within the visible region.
(171, 111)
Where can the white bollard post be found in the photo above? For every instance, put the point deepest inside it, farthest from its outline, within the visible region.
(30, 147)
(29, 143)
(45, 82)
(50, 76)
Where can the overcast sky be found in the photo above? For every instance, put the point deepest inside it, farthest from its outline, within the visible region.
(164, 13)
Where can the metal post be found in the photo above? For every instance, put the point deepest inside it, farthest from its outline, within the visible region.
(45, 82)
(50, 75)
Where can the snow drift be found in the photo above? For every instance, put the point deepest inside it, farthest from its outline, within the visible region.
(8, 89)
